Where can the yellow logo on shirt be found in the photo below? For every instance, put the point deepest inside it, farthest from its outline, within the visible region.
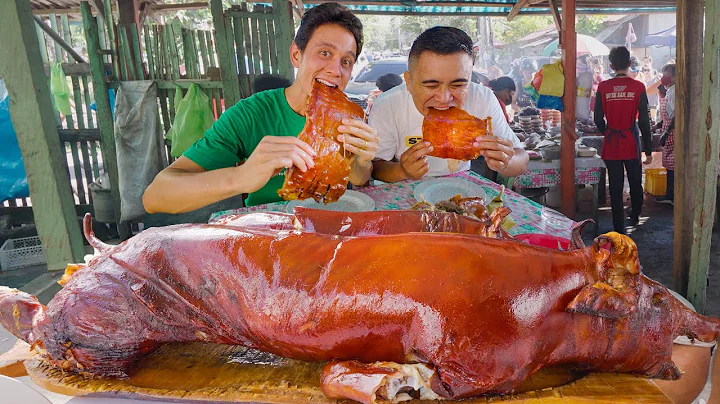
(412, 140)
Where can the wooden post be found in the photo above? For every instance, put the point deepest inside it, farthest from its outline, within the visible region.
(567, 145)
(104, 116)
(708, 143)
(285, 34)
(688, 118)
(31, 113)
(226, 53)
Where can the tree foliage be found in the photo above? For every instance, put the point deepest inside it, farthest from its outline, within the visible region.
(510, 31)
(396, 33)
(590, 25)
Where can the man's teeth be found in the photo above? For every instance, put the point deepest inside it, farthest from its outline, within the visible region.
(441, 109)
(327, 83)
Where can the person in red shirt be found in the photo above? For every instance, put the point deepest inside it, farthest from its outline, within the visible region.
(504, 89)
(621, 106)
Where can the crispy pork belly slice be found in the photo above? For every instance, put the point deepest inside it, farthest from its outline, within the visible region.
(452, 132)
(327, 180)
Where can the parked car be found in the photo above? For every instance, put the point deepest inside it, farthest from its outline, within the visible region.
(363, 83)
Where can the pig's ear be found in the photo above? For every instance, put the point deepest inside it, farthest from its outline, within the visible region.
(603, 300)
(614, 293)
(576, 242)
(623, 259)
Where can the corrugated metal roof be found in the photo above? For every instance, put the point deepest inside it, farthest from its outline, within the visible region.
(497, 7)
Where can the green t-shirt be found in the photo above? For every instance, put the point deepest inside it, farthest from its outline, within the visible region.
(234, 137)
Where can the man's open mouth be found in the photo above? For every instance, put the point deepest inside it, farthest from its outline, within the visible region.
(327, 83)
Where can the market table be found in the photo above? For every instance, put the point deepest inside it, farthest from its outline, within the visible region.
(544, 173)
(529, 216)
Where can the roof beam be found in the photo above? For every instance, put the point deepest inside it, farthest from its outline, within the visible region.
(167, 8)
(59, 40)
(98, 7)
(556, 15)
(519, 6)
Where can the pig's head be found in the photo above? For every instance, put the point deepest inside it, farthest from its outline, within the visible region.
(643, 316)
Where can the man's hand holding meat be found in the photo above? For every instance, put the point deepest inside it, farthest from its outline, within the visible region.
(498, 152)
(361, 140)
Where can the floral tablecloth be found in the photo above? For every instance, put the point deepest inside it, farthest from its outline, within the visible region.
(547, 173)
(529, 216)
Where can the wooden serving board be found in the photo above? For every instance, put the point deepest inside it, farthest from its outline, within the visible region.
(11, 362)
(211, 372)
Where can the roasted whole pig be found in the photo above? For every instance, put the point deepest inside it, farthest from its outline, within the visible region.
(428, 315)
(452, 132)
(375, 222)
(327, 180)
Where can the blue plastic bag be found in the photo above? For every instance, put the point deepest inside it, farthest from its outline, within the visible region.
(550, 102)
(13, 180)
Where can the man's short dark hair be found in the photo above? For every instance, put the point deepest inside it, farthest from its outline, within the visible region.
(269, 81)
(670, 68)
(619, 58)
(502, 83)
(329, 13)
(388, 81)
(441, 41)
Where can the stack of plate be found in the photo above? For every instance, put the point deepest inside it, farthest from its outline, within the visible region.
(584, 151)
(537, 124)
(530, 123)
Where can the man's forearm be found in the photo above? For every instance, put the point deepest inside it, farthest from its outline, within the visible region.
(360, 173)
(388, 171)
(517, 165)
(177, 191)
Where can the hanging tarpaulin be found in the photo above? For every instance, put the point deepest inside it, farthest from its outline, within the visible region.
(13, 180)
(139, 144)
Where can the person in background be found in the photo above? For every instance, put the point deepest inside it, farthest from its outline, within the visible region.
(667, 115)
(635, 70)
(621, 105)
(269, 82)
(652, 82)
(584, 84)
(527, 69)
(598, 77)
(383, 83)
(504, 89)
(495, 72)
(479, 78)
(648, 66)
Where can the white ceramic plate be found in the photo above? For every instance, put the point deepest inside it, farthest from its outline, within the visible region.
(441, 189)
(15, 391)
(351, 201)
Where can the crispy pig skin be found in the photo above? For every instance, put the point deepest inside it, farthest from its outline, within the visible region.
(483, 313)
(327, 180)
(452, 132)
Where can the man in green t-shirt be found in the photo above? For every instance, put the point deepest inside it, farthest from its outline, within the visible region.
(260, 132)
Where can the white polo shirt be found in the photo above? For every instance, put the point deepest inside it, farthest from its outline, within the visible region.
(399, 125)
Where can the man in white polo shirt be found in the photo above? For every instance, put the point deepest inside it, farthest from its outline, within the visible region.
(440, 67)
